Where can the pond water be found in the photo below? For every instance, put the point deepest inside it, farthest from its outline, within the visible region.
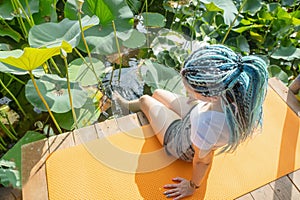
(130, 86)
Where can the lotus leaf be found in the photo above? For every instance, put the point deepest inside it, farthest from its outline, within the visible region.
(52, 34)
(228, 7)
(287, 53)
(7, 9)
(153, 19)
(55, 91)
(252, 7)
(86, 115)
(158, 76)
(32, 58)
(106, 10)
(79, 72)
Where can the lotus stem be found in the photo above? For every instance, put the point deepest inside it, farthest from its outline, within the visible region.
(118, 47)
(44, 102)
(3, 144)
(19, 18)
(13, 97)
(31, 21)
(69, 91)
(19, 6)
(56, 67)
(85, 43)
(87, 64)
(20, 81)
(7, 132)
(232, 23)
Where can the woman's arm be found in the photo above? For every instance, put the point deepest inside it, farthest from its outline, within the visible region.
(185, 187)
(200, 166)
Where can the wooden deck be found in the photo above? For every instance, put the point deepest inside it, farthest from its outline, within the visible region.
(34, 156)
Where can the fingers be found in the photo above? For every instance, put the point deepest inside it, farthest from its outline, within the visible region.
(170, 186)
(178, 179)
(172, 193)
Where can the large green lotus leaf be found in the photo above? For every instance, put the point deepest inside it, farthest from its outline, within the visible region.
(55, 91)
(52, 34)
(166, 39)
(31, 58)
(136, 40)
(228, 7)
(7, 10)
(106, 10)
(153, 19)
(158, 76)
(87, 115)
(79, 72)
(104, 42)
(252, 7)
(287, 53)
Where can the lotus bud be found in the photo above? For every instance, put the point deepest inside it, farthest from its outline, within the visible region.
(63, 53)
(79, 5)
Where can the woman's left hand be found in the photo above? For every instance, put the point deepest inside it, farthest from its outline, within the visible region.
(179, 190)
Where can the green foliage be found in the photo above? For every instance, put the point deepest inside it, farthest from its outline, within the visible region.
(9, 176)
(52, 34)
(158, 76)
(10, 163)
(249, 27)
(55, 91)
(79, 71)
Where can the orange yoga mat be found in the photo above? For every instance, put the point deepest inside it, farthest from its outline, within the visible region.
(132, 165)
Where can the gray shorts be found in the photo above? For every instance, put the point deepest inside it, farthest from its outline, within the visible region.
(177, 139)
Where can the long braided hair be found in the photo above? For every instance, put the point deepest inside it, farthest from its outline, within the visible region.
(240, 82)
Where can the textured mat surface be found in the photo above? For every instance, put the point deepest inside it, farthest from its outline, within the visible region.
(132, 165)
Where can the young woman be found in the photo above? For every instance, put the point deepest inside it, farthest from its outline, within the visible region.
(223, 107)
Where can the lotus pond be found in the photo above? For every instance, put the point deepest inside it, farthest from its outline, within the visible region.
(60, 59)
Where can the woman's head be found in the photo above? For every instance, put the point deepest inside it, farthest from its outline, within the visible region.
(240, 82)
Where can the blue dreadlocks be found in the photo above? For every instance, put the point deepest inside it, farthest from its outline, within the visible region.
(241, 82)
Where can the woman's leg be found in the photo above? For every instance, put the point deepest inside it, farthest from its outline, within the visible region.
(160, 117)
(177, 103)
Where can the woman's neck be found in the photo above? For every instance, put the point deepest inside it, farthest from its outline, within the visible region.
(216, 105)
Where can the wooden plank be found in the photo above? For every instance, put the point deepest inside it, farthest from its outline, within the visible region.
(245, 197)
(295, 178)
(285, 189)
(127, 123)
(36, 187)
(34, 183)
(265, 192)
(286, 94)
(61, 141)
(85, 134)
(106, 128)
(33, 157)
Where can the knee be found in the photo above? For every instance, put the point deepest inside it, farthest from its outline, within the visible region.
(157, 93)
(144, 98)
